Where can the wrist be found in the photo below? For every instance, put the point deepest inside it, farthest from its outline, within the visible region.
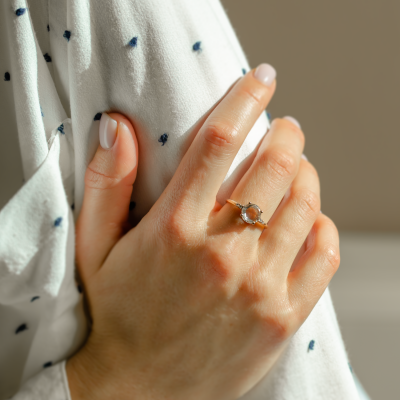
(87, 375)
(94, 374)
(79, 377)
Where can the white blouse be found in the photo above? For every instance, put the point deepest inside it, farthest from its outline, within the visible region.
(162, 63)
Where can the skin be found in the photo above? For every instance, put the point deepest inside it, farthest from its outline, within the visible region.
(193, 303)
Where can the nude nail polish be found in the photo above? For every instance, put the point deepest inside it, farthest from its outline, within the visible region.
(265, 73)
(107, 131)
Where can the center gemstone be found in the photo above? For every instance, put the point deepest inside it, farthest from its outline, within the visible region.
(251, 213)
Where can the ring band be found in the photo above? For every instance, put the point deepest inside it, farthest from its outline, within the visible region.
(244, 215)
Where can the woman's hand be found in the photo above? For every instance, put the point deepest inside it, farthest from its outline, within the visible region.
(194, 303)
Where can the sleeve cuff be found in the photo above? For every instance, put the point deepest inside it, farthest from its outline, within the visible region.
(51, 383)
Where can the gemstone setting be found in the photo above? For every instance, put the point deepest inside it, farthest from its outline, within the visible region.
(251, 213)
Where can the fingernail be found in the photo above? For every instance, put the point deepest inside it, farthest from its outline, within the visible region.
(303, 156)
(291, 119)
(265, 73)
(107, 131)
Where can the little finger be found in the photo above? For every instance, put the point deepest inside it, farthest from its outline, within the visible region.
(315, 269)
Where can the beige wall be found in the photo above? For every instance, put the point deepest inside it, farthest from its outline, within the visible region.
(338, 73)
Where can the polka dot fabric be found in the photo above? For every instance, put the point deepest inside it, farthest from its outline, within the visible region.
(164, 64)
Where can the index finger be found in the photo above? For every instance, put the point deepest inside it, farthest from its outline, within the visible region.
(203, 168)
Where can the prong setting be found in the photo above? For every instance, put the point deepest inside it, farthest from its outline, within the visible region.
(250, 213)
(254, 209)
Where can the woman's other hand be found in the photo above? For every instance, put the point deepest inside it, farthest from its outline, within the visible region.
(194, 303)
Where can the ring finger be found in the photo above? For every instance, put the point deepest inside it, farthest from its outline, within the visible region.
(291, 224)
(267, 180)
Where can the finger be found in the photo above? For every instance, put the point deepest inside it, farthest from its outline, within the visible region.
(268, 178)
(299, 254)
(315, 269)
(303, 247)
(290, 225)
(203, 168)
(108, 187)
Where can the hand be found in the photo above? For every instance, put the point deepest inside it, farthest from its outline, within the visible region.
(194, 303)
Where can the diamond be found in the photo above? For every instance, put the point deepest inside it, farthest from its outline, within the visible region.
(250, 213)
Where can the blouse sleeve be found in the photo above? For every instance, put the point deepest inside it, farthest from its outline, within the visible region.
(51, 383)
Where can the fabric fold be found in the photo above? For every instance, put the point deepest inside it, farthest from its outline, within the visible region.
(35, 219)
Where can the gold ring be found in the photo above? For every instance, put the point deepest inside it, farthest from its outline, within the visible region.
(245, 217)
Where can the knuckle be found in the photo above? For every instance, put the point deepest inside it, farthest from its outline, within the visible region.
(251, 292)
(251, 97)
(308, 202)
(95, 179)
(281, 163)
(280, 325)
(177, 231)
(221, 134)
(219, 265)
(331, 256)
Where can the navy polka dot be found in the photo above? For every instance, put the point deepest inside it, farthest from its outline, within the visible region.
(41, 111)
(73, 206)
(163, 138)
(97, 117)
(67, 35)
(48, 28)
(61, 129)
(48, 364)
(7, 76)
(311, 345)
(34, 298)
(47, 57)
(196, 47)
(269, 116)
(58, 221)
(20, 11)
(79, 287)
(243, 71)
(21, 328)
(133, 42)
(132, 205)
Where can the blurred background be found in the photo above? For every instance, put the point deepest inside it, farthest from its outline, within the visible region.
(338, 67)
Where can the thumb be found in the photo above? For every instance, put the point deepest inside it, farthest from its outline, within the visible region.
(108, 188)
